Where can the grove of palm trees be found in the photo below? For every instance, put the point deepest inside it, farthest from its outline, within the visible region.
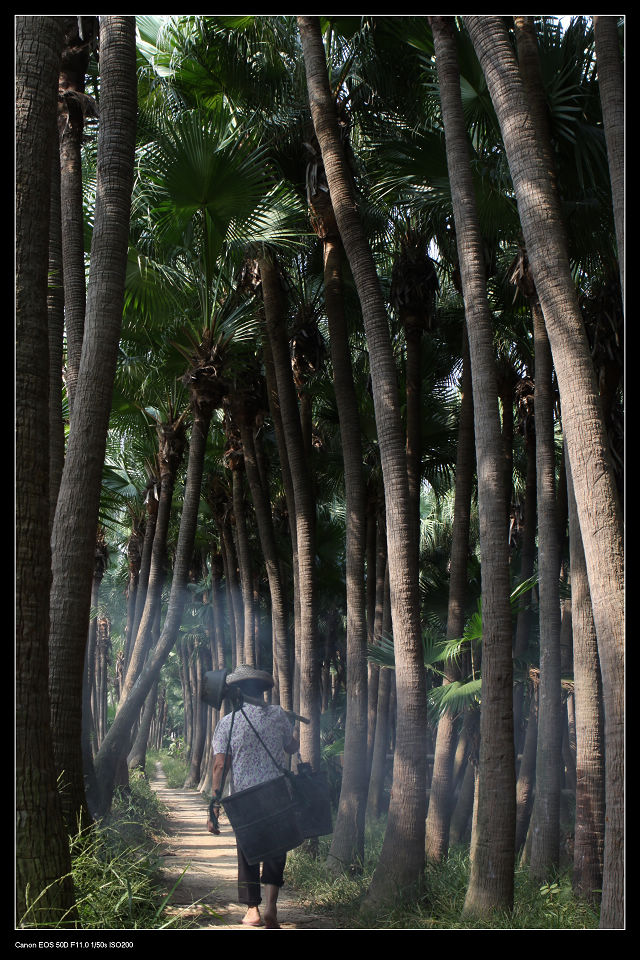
(320, 368)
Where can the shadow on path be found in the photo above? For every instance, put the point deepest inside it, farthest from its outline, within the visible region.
(207, 893)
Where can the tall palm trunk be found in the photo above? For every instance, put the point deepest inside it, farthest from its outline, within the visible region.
(587, 447)
(611, 85)
(55, 327)
(244, 560)
(42, 848)
(75, 60)
(305, 516)
(402, 857)
(528, 546)
(138, 754)
(383, 718)
(276, 418)
(545, 839)
(441, 796)
(590, 795)
(347, 845)
(171, 443)
(527, 773)
(74, 529)
(270, 553)
(491, 881)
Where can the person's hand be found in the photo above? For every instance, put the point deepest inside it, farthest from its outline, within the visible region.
(212, 825)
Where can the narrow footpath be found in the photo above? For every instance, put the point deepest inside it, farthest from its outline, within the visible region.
(207, 893)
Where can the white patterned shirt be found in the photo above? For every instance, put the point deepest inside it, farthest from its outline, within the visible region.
(250, 762)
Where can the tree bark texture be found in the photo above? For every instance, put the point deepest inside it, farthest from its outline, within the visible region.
(402, 857)
(270, 553)
(491, 881)
(74, 529)
(589, 458)
(304, 515)
(545, 839)
(42, 847)
(441, 796)
(588, 847)
(347, 845)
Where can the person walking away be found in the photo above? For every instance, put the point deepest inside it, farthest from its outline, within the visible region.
(249, 764)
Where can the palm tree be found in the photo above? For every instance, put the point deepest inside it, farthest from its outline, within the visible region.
(74, 528)
(594, 484)
(304, 502)
(248, 403)
(440, 800)
(402, 857)
(42, 848)
(495, 801)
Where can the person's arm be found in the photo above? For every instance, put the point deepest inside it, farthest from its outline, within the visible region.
(216, 780)
(294, 744)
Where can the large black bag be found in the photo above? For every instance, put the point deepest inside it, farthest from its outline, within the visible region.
(275, 816)
(264, 819)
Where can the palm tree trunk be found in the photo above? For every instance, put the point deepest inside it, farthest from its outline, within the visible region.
(244, 564)
(545, 838)
(347, 845)
(590, 762)
(587, 447)
(491, 881)
(527, 773)
(383, 718)
(200, 712)
(376, 574)
(276, 417)
(441, 796)
(75, 59)
(42, 846)
(401, 860)
(171, 448)
(310, 655)
(270, 553)
(413, 337)
(74, 529)
(55, 326)
(611, 84)
(527, 559)
(138, 755)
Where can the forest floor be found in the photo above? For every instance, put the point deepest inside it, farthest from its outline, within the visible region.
(207, 893)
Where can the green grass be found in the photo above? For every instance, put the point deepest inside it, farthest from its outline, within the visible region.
(115, 866)
(175, 767)
(440, 904)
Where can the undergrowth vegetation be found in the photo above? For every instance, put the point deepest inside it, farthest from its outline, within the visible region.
(440, 903)
(115, 867)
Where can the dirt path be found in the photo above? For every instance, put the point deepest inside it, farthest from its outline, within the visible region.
(208, 890)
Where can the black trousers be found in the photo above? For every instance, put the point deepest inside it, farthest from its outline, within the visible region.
(249, 877)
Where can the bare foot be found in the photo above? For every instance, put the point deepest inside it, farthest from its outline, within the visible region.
(270, 908)
(252, 918)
